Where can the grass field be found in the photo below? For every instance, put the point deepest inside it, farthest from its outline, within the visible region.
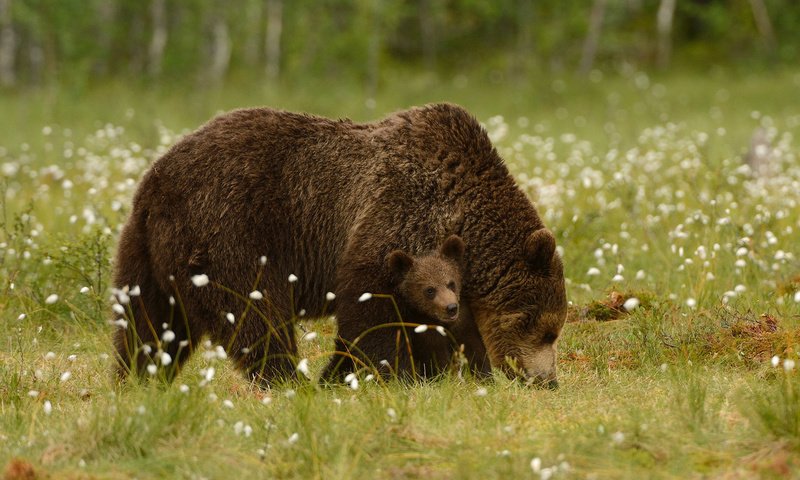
(642, 180)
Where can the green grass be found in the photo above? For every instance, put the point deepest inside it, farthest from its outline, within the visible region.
(637, 177)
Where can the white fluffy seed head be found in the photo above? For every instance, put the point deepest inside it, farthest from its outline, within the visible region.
(51, 299)
(630, 304)
(364, 297)
(302, 367)
(168, 336)
(166, 359)
(292, 278)
(776, 360)
(48, 407)
(200, 280)
(256, 295)
(229, 316)
(152, 369)
(330, 296)
(421, 328)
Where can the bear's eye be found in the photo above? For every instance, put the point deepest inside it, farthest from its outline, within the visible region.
(430, 292)
(452, 286)
(549, 338)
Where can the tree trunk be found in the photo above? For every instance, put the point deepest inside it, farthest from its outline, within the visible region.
(427, 27)
(763, 23)
(373, 52)
(220, 49)
(105, 11)
(273, 39)
(8, 45)
(593, 36)
(158, 41)
(524, 36)
(252, 43)
(666, 12)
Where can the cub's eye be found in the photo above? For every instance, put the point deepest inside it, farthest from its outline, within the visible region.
(452, 286)
(430, 292)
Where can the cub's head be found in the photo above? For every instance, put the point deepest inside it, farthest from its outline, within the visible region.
(430, 284)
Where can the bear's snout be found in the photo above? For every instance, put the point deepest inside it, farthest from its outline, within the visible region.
(452, 310)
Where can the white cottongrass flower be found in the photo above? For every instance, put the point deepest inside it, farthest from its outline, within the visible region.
(481, 392)
(593, 272)
(290, 393)
(227, 403)
(293, 438)
(230, 317)
(775, 361)
(168, 336)
(184, 388)
(618, 437)
(364, 297)
(421, 329)
(330, 296)
(441, 330)
(740, 288)
(354, 384)
(21, 316)
(630, 304)
(49, 355)
(617, 278)
(302, 367)
(135, 291)
(152, 369)
(166, 359)
(51, 299)
(797, 296)
(266, 400)
(391, 413)
(256, 295)
(65, 376)
(200, 280)
(118, 309)
(84, 289)
(292, 278)
(788, 364)
(33, 393)
(72, 357)
(262, 260)
(640, 275)
(691, 302)
(310, 336)
(48, 407)
(536, 464)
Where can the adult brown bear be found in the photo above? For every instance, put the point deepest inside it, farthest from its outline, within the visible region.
(256, 196)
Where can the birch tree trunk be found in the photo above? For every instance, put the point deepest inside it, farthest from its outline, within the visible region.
(155, 53)
(374, 52)
(763, 23)
(593, 36)
(8, 45)
(666, 12)
(427, 27)
(220, 49)
(273, 39)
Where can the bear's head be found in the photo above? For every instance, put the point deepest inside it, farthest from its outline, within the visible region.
(430, 285)
(521, 318)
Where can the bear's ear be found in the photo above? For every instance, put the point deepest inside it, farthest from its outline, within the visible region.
(399, 263)
(539, 249)
(453, 248)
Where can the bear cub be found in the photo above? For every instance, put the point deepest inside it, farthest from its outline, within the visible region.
(427, 287)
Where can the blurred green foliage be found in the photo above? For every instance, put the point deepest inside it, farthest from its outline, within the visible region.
(206, 41)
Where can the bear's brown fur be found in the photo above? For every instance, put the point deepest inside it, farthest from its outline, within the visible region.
(327, 200)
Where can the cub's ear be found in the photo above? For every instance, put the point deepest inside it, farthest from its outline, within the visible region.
(539, 249)
(453, 248)
(399, 263)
